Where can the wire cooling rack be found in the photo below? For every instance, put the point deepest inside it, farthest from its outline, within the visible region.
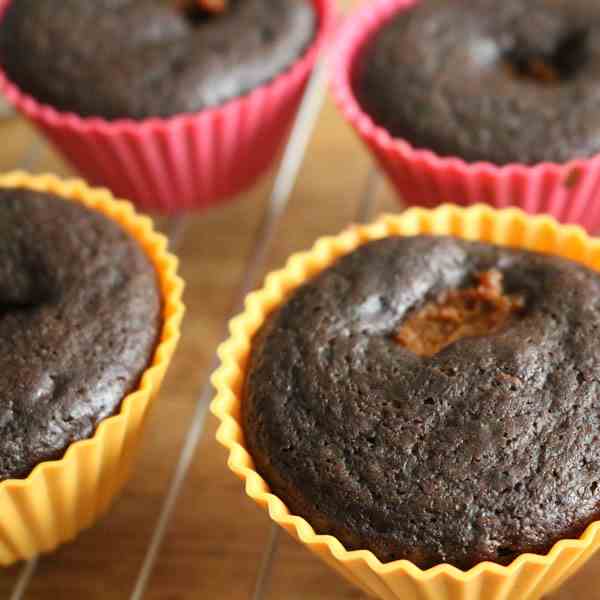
(6, 111)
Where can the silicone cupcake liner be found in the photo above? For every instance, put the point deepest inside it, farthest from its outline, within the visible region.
(568, 191)
(530, 576)
(188, 162)
(61, 497)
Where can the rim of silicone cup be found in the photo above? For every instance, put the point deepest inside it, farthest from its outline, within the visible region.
(541, 232)
(171, 286)
(36, 110)
(350, 41)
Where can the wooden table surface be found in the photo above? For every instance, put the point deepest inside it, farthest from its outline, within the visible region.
(218, 544)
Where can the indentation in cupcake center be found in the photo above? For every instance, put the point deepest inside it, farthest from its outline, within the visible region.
(198, 12)
(461, 313)
(563, 63)
(8, 309)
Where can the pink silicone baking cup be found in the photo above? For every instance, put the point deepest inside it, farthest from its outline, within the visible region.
(187, 162)
(568, 191)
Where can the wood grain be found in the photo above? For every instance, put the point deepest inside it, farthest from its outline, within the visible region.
(215, 541)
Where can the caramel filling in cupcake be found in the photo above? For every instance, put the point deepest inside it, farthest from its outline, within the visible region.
(209, 6)
(563, 63)
(455, 314)
(212, 5)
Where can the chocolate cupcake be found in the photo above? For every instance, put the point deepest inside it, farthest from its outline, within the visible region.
(433, 399)
(80, 319)
(196, 95)
(516, 81)
(90, 310)
(171, 58)
(414, 400)
(479, 101)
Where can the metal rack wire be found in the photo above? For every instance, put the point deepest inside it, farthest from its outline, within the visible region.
(266, 232)
(6, 111)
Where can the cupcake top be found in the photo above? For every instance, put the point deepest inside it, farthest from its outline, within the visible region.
(433, 399)
(80, 312)
(516, 81)
(149, 58)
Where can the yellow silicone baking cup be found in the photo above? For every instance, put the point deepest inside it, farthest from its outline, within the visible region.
(61, 497)
(530, 576)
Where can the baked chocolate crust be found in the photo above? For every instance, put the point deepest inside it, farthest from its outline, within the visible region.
(80, 313)
(503, 82)
(145, 58)
(485, 450)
